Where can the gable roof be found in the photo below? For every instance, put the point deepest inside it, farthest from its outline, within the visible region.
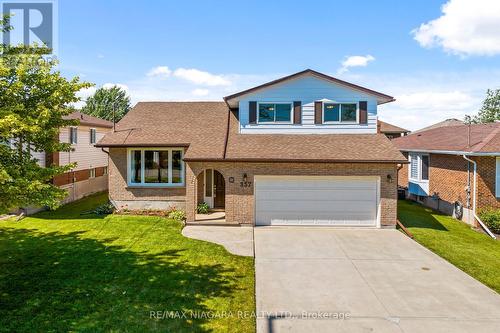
(85, 119)
(444, 123)
(209, 131)
(484, 140)
(381, 98)
(201, 126)
(389, 128)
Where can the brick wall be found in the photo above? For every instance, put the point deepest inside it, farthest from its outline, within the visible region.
(486, 177)
(403, 174)
(240, 200)
(122, 194)
(448, 178)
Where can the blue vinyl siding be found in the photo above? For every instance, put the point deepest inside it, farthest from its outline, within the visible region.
(307, 90)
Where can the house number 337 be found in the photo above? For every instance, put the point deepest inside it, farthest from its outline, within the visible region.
(245, 184)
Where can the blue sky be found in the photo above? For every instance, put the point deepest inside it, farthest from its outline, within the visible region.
(192, 50)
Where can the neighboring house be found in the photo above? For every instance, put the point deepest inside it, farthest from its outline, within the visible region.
(300, 150)
(391, 131)
(444, 123)
(90, 174)
(439, 174)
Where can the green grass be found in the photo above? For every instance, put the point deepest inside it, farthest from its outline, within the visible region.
(475, 253)
(62, 271)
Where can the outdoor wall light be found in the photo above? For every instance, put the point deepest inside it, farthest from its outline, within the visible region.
(389, 178)
(245, 177)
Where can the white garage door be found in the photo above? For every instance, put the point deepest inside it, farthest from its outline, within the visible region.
(316, 200)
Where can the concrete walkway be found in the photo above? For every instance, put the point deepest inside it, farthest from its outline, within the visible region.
(382, 280)
(237, 240)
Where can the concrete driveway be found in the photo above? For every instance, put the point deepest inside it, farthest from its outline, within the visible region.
(308, 278)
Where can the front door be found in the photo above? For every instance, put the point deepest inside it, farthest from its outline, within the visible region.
(219, 190)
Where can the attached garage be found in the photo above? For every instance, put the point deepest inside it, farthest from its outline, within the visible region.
(316, 200)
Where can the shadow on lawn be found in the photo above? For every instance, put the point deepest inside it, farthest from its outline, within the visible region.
(60, 282)
(415, 215)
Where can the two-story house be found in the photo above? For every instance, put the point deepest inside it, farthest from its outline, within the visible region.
(90, 174)
(300, 150)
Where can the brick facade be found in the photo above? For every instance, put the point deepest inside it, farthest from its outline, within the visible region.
(403, 173)
(239, 204)
(486, 178)
(123, 195)
(448, 178)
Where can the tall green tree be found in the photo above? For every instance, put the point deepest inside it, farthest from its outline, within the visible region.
(34, 98)
(490, 110)
(107, 101)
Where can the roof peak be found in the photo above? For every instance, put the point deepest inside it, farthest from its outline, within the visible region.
(383, 97)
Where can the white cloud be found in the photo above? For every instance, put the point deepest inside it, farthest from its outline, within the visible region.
(86, 92)
(200, 77)
(453, 100)
(119, 85)
(159, 71)
(355, 61)
(465, 28)
(423, 108)
(200, 92)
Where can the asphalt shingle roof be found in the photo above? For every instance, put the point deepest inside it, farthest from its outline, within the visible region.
(484, 138)
(203, 128)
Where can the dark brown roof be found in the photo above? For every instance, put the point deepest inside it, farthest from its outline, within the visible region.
(87, 120)
(200, 125)
(385, 98)
(203, 128)
(484, 138)
(313, 148)
(389, 128)
(444, 123)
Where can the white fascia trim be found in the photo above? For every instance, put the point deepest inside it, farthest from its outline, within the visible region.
(450, 152)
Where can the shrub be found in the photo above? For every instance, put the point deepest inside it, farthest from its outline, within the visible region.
(178, 215)
(104, 209)
(202, 208)
(491, 217)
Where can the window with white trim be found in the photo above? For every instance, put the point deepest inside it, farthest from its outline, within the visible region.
(340, 112)
(156, 167)
(92, 173)
(73, 135)
(93, 135)
(419, 167)
(272, 113)
(105, 170)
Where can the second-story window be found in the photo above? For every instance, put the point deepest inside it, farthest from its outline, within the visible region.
(275, 113)
(73, 136)
(340, 112)
(92, 135)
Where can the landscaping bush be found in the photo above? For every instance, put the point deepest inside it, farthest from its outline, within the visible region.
(104, 209)
(202, 208)
(178, 215)
(491, 217)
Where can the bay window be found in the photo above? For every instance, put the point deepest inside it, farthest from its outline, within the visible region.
(156, 167)
(340, 112)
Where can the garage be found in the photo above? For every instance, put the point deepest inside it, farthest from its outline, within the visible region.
(316, 200)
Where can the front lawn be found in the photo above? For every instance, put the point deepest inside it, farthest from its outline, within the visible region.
(61, 271)
(475, 253)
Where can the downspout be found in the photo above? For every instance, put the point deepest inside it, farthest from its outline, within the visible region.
(474, 199)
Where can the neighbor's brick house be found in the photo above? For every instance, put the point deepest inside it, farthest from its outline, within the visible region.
(303, 149)
(438, 174)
